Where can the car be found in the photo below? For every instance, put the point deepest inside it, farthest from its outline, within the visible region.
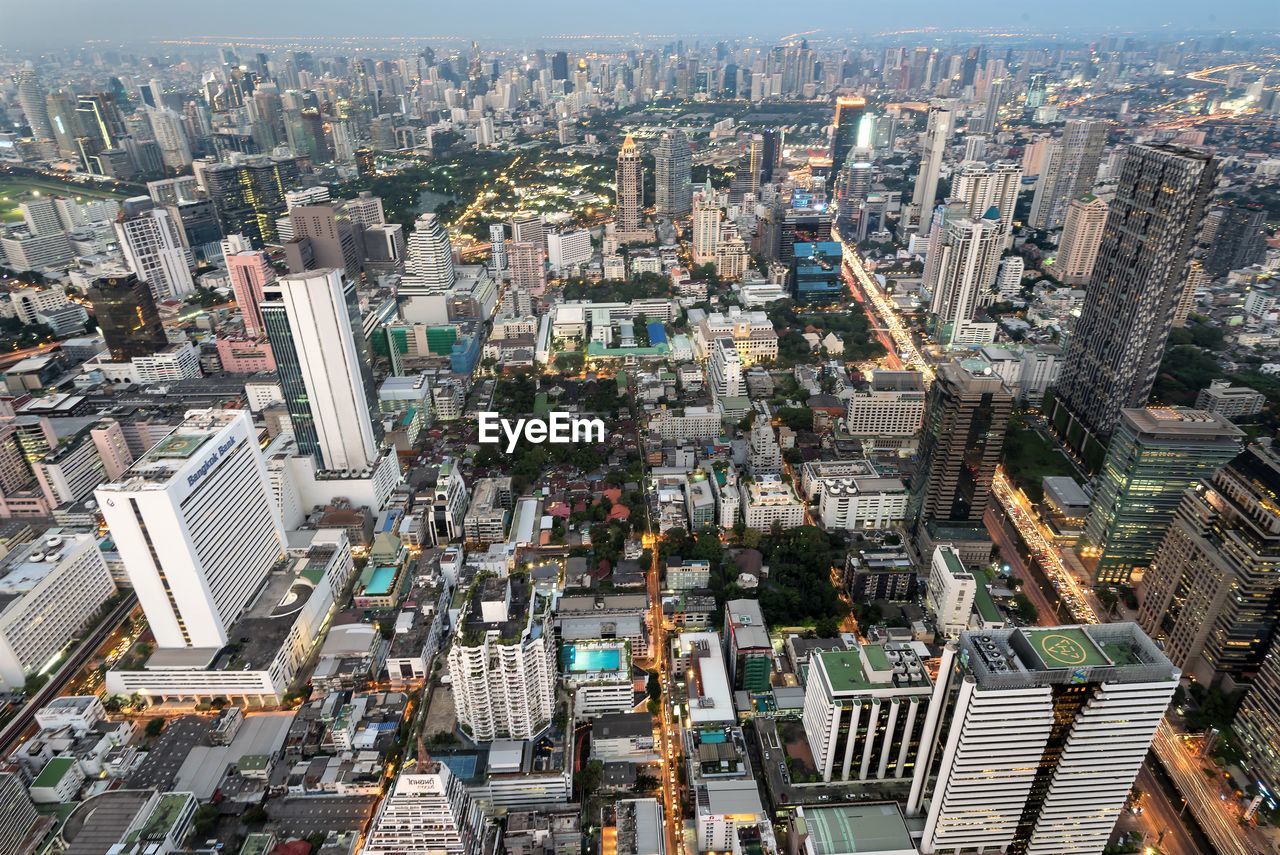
(766, 755)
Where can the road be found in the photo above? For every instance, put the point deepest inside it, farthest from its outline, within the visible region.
(1219, 819)
(884, 312)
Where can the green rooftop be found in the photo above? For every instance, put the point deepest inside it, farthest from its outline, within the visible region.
(1065, 647)
(844, 670)
(258, 844)
(1120, 653)
(954, 565)
(846, 829)
(179, 445)
(53, 772)
(166, 815)
(876, 656)
(982, 598)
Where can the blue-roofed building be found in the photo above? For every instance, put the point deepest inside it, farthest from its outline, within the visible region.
(657, 333)
(465, 354)
(815, 273)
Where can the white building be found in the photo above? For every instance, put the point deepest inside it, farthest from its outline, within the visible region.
(960, 270)
(706, 230)
(724, 370)
(982, 186)
(312, 322)
(767, 500)
(864, 711)
(886, 416)
(689, 424)
(992, 790)
(428, 266)
(429, 812)
(1009, 277)
(566, 249)
(50, 590)
(154, 246)
(858, 503)
(952, 591)
(175, 362)
(752, 333)
(196, 526)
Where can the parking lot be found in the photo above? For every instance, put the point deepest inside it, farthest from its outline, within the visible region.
(300, 817)
(168, 751)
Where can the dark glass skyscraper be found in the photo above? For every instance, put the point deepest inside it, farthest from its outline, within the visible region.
(127, 315)
(844, 137)
(672, 171)
(1115, 351)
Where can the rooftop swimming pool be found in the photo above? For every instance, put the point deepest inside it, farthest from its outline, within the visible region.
(582, 659)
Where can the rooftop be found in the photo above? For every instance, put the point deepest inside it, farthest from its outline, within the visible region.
(53, 772)
(851, 829)
(1115, 652)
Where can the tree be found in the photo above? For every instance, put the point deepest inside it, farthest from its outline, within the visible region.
(256, 815)
(155, 727)
(588, 779)
(653, 686)
(205, 819)
(827, 627)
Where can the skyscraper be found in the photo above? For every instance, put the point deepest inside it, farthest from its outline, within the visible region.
(428, 812)
(960, 270)
(313, 324)
(629, 183)
(672, 170)
(497, 247)
(844, 132)
(1115, 351)
(746, 174)
(196, 527)
(154, 246)
(932, 147)
(966, 414)
(1043, 734)
(1211, 593)
(1257, 724)
(1235, 237)
(250, 273)
(126, 314)
(706, 229)
(429, 265)
(1081, 238)
(983, 186)
(32, 97)
(1070, 172)
(334, 239)
(1155, 454)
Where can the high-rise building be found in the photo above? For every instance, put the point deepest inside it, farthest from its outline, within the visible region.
(503, 664)
(1081, 238)
(250, 195)
(250, 273)
(197, 528)
(1210, 594)
(746, 173)
(672, 171)
(1115, 351)
(706, 229)
(1040, 736)
(166, 125)
(966, 414)
(40, 215)
(991, 111)
(629, 184)
(529, 228)
(933, 145)
(850, 111)
(1070, 172)
(526, 261)
(960, 270)
(428, 267)
(497, 247)
(155, 248)
(816, 274)
(313, 324)
(126, 314)
(983, 186)
(1155, 455)
(18, 814)
(1257, 724)
(1235, 237)
(32, 98)
(428, 812)
(334, 241)
(724, 370)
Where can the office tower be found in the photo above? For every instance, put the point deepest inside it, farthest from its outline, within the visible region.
(1155, 454)
(65, 122)
(852, 188)
(100, 127)
(41, 215)
(770, 155)
(960, 270)
(567, 249)
(384, 249)
(126, 313)
(816, 275)
(991, 112)
(746, 173)
(802, 225)
(1257, 724)
(503, 664)
(672, 171)
(966, 413)
(1115, 351)
(334, 240)
(155, 248)
(983, 186)
(197, 528)
(250, 195)
(864, 711)
(1070, 172)
(313, 324)
(250, 273)
(529, 228)
(18, 814)
(1235, 237)
(933, 146)
(1081, 238)
(32, 97)
(850, 111)
(706, 229)
(1210, 595)
(429, 261)
(560, 65)
(1043, 734)
(975, 147)
(629, 183)
(428, 812)
(497, 247)
(166, 125)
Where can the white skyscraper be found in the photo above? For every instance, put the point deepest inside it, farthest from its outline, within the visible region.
(724, 369)
(428, 266)
(1070, 170)
(1043, 740)
(196, 527)
(154, 247)
(932, 147)
(166, 124)
(983, 186)
(706, 229)
(960, 270)
(429, 812)
(497, 247)
(313, 324)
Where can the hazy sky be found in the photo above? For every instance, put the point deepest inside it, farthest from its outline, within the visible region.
(32, 23)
